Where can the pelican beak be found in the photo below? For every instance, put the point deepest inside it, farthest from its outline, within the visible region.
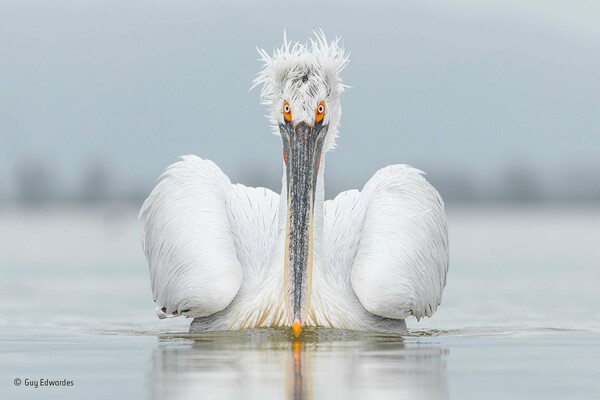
(302, 147)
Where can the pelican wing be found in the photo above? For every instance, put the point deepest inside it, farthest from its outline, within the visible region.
(402, 259)
(190, 229)
(344, 218)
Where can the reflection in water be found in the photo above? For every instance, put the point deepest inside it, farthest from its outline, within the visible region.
(322, 363)
(301, 389)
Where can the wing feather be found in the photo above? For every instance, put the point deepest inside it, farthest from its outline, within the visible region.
(344, 218)
(253, 216)
(402, 260)
(187, 238)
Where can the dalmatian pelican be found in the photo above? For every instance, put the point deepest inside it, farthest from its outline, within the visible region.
(235, 257)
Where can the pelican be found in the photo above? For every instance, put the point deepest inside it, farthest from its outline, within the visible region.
(235, 257)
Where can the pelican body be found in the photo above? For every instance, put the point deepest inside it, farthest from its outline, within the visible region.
(235, 257)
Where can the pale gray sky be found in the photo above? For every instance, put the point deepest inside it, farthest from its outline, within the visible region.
(442, 85)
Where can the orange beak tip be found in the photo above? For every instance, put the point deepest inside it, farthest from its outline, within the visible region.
(296, 327)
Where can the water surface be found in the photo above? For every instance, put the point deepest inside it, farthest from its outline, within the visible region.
(519, 319)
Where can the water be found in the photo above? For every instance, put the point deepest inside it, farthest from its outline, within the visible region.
(519, 319)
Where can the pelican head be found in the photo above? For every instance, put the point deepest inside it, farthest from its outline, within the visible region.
(301, 87)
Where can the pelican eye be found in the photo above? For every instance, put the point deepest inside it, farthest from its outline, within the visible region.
(287, 111)
(320, 112)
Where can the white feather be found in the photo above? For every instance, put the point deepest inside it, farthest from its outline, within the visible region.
(188, 241)
(321, 62)
(215, 250)
(402, 260)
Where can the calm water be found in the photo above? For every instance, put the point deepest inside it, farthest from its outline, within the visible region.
(519, 319)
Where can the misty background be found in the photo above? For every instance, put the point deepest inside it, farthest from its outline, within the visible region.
(497, 102)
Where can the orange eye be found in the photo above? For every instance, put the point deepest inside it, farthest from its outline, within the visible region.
(287, 111)
(320, 112)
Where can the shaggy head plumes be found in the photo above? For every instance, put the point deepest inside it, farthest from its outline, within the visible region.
(304, 75)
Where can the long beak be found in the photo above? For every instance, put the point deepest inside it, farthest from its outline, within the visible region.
(302, 146)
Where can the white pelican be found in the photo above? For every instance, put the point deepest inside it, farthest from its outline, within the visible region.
(236, 257)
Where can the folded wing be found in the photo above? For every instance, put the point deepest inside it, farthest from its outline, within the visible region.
(188, 240)
(402, 259)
